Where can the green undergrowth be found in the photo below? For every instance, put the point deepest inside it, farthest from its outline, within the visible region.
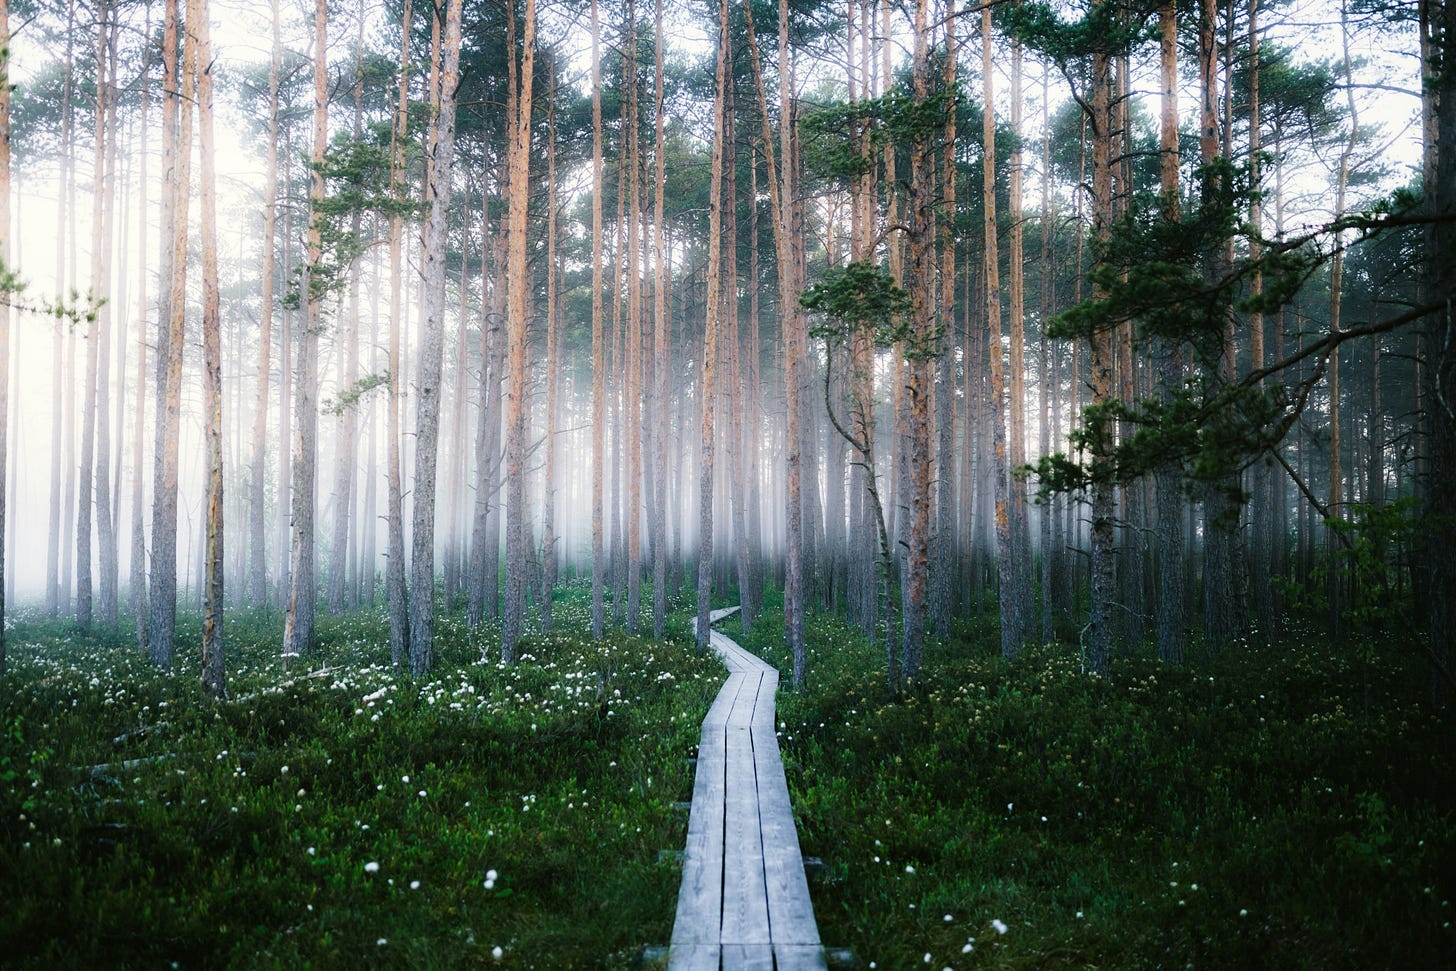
(337, 813)
(1286, 807)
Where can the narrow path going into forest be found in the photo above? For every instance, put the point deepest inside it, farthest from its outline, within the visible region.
(744, 901)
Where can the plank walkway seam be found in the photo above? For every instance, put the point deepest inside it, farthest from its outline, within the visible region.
(744, 899)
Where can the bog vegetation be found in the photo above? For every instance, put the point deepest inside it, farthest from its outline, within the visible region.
(1277, 807)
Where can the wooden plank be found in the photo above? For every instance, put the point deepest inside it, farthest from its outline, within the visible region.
(722, 705)
(791, 911)
(799, 957)
(748, 957)
(693, 957)
(745, 900)
(700, 895)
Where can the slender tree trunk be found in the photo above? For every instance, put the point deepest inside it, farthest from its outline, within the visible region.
(5, 309)
(517, 334)
(1104, 554)
(257, 511)
(1171, 553)
(298, 625)
(106, 553)
(1220, 512)
(942, 577)
(662, 350)
(1016, 383)
(92, 473)
(707, 391)
(599, 373)
(427, 415)
(60, 438)
(214, 679)
(632, 399)
(1263, 532)
(1337, 580)
(1439, 408)
(136, 593)
(549, 539)
(1007, 566)
(177, 116)
(395, 593)
(344, 453)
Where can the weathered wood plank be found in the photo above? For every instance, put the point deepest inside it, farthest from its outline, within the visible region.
(800, 957)
(791, 912)
(693, 957)
(748, 957)
(745, 899)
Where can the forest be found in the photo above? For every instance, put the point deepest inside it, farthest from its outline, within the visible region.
(1059, 388)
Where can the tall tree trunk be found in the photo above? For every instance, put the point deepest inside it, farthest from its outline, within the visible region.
(1263, 531)
(348, 410)
(177, 134)
(298, 624)
(599, 372)
(427, 415)
(214, 678)
(1016, 383)
(920, 349)
(1166, 478)
(517, 334)
(59, 402)
(106, 553)
(137, 596)
(1337, 579)
(1221, 512)
(257, 510)
(395, 593)
(791, 282)
(942, 577)
(549, 538)
(1439, 408)
(707, 391)
(92, 473)
(4, 310)
(1008, 567)
(632, 399)
(662, 349)
(1104, 554)
(795, 341)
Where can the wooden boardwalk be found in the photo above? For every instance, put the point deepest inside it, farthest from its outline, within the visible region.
(744, 901)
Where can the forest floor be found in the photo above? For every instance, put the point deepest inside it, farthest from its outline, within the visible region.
(1291, 806)
(1288, 806)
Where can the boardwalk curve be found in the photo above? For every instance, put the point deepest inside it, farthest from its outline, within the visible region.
(744, 901)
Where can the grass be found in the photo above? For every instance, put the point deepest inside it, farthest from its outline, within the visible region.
(1290, 807)
(1280, 807)
(354, 819)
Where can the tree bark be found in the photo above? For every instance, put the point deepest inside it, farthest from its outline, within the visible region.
(298, 624)
(707, 391)
(257, 518)
(517, 334)
(549, 538)
(177, 115)
(1104, 554)
(1166, 479)
(657, 529)
(599, 373)
(394, 577)
(427, 415)
(214, 677)
(1439, 407)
